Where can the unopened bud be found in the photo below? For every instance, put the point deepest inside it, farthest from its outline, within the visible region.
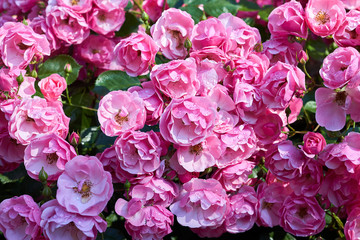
(127, 185)
(74, 139)
(41, 4)
(303, 57)
(38, 58)
(20, 79)
(68, 68)
(144, 16)
(46, 192)
(34, 73)
(258, 47)
(43, 176)
(188, 44)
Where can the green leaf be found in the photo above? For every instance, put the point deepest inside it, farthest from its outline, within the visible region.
(317, 49)
(5, 179)
(245, 5)
(116, 80)
(288, 236)
(113, 217)
(56, 65)
(215, 8)
(130, 25)
(310, 106)
(194, 11)
(265, 12)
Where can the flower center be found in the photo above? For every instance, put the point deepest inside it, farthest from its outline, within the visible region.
(121, 119)
(340, 98)
(267, 205)
(322, 17)
(22, 46)
(29, 119)
(102, 17)
(51, 158)
(302, 212)
(197, 149)
(94, 51)
(74, 2)
(84, 189)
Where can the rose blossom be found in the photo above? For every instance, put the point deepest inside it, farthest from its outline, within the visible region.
(121, 111)
(288, 19)
(84, 187)
(52, 86)
(341, 67)
(170, 32)
(105, 21)
(282, 81)
(324, 16)
(78, 6)
(201, 203)
(187, 122)
(242, 215)
(150, 222)
(351, 228)
(34, 116)
(20, 218)
(314, 143)
(57, 223)
(348, 33)
(111, 4)
(176, 79)
(38, 24)
(136, 53)
(209, 73)
(302, 216)
(50, 152)
(285, 161)
(154, 8)
(11, 153)
(138, 152)
(268, 127)
(19, 44)
(67, 25)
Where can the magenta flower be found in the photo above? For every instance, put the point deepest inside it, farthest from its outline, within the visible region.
(84, 187)
(351, 228)
(348, 33)
(314, 143)
(105, 21)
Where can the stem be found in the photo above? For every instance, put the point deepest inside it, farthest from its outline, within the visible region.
(139, 6)
(82, 107)
(305, 71)
(317, 127)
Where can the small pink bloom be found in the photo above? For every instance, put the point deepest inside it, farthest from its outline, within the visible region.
(121, 111)
(201, 203)
(176, 79)
(38, 24)
(209, 73)
(20, 218)
(52, 86)
(243, 214)
(50, 152)
(111, 4)
(84, 187)
(78, 6)
(213, 53)
(154, 8)
(138, 152)
(74, 139)
(170, 32)
(348, 33)
(268, 127)
(187, 122)
(288, 19)
(324, 16)
(314, 143)
(57, 223)
(351, 228)
(104, 21)
(302, 216)
(136, 53)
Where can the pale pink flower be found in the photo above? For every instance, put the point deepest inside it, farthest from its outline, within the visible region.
(348, 33)
(19, 44)
(138, 152)
(38, 24)
(57, 223)
(201, 203)
(285, 161)
(27, 88)
(234, 176)
(324, 16)
(52, 86)
(136, 53)
(154, 8)
(314, 143)
(176, 79)
(281, 82)
(209, 73)
(121, 111)
(84, 187)
(150, 222)
(105, 21)
(20, 218)
(8, 82)
(351, 4)
(111, 4)
(170, 32)
(78, 6)
(302, 216)
(288, 19)
(50, 152)
(67, 25)
(187, 122)
(213, 53)
(34, 116)
(243, 214)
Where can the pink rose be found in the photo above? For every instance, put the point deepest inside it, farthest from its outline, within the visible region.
(138, 152)
(19, 44)
(105, 21)
(282, 82)
(324, 16)
(176, 79)
(351, 228)
(121, 111)
(52, 86)
(209, 73)
(314, 143)
(285, 161)
(288, 19)
(201, 203)
(341, 67)
(302, 216)
(154, 8)
(34, 116)
(348, 33)
(25, 5)
(11, 153)
(57, 223)
(268, 127)
(78, 6)
(38, 24)
(111, 4)
(187, 122)
(20, 218)
(67, 25)
(243, 214)
(84, 187)
(50, 152)
(150, 222)
(234, 176)
(136, 53)
(170, 32)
